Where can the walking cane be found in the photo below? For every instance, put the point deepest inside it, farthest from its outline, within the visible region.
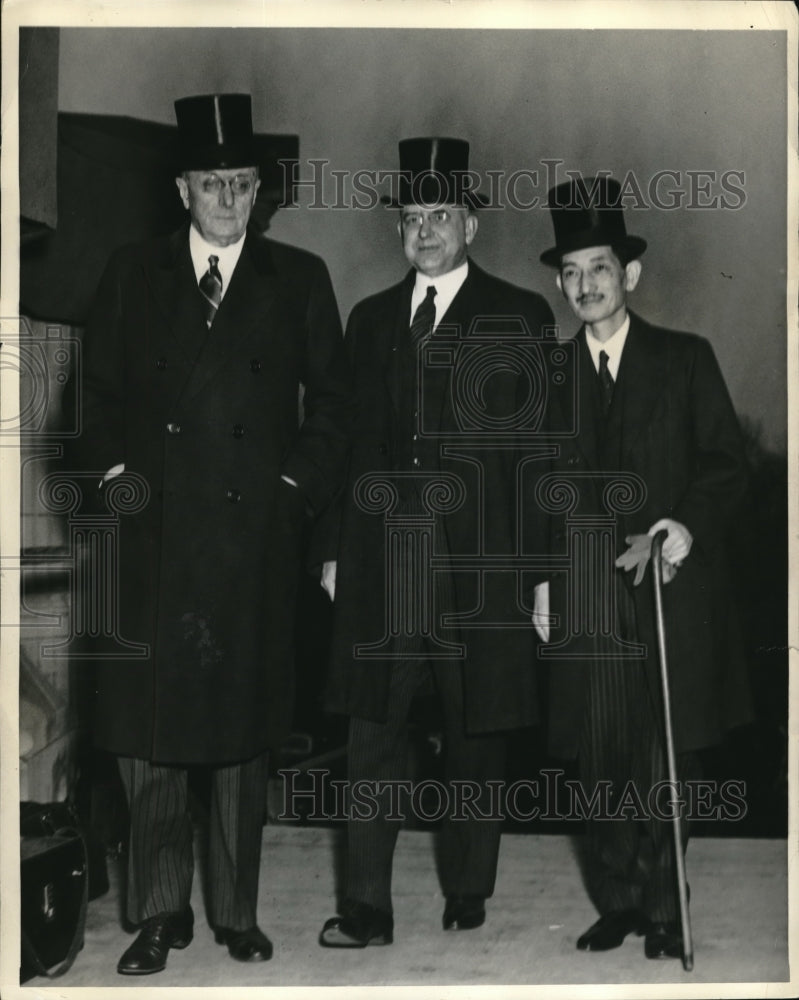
(682, 885)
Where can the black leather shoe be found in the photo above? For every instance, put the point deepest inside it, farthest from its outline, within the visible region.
(463, 913)
(611, 930)
(148, 952)
(663, 940)
(359, 925)
(251, 945)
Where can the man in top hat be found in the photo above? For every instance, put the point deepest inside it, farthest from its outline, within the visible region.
(193, 358)
(652, 404)
(390, 639)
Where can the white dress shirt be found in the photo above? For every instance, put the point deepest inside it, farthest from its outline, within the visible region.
(446, 285)
(613, 347)
(228, 256)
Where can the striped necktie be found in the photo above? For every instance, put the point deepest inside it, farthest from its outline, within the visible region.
(211, 288)
(423, 318)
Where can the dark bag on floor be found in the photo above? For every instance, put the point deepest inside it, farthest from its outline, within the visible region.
(53, 888)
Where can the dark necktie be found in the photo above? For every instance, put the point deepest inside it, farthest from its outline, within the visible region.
(423, 319)
(211, 288)
(606, 383)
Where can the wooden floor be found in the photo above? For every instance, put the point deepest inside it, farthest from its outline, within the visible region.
(739, 917)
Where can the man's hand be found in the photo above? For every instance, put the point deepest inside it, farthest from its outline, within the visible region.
(541, 611)
(328, 580)
(678, 543)
(636, 557)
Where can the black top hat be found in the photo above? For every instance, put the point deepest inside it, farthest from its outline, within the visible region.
(215, 131)
(588, 213)
(434, 171)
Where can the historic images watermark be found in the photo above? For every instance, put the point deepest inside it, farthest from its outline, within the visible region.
(499, 378)
(314, 796)
(48, 363)
(523, 189)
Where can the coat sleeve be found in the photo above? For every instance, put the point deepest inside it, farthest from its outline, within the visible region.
(720, 477)
(326, 533)
(536, 525)
(317, 460)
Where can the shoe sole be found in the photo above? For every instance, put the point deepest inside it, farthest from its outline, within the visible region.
(179, 945)
(586, 946)
(140, 972)
(348, 942)
(463, 925)
(345, 941)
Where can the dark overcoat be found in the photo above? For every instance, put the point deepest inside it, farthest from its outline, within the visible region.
(210, 420)
(671, 423)
(499, 679)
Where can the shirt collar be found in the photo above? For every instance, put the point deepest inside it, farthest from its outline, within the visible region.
(201, 250)
(613, 347)
(446, 285)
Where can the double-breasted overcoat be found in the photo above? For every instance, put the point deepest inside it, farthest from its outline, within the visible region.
(206, 570)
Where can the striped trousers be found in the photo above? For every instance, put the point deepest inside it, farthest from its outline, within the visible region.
(630, 861)
(161, 857)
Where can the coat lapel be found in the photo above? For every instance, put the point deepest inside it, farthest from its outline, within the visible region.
(247, 303)
(397, 321)
(174, 288)
(580, 387)
(641, 381)
(453, 327)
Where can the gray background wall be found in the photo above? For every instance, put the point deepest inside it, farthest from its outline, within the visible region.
(639, 101)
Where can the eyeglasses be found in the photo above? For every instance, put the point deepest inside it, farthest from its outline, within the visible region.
(436, 217)
(241, 184)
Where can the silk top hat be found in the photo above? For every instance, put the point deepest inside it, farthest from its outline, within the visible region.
(587, 212)
(215, 131)
(435, 171)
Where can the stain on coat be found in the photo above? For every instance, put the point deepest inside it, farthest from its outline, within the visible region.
(197, 630)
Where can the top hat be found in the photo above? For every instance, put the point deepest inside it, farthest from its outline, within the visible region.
(434, 171)
(215, 131)
(589, 213)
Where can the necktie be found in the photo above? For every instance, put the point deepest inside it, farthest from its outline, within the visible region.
(423, 319)
(211, 288)
(606, 383)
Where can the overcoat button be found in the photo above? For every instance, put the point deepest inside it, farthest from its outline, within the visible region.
(255, 365)
(572, 460)
(173, 428)
(238, 430)
(416, 461)
(233, 496)
(161, 364)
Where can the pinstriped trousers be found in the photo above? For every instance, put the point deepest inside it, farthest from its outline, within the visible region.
(161, 858)
(630, 860)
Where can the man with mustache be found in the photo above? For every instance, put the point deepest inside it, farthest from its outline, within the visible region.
(652, 403)
(408, 405)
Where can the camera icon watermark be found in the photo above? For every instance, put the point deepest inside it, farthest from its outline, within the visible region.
(500, 376)
(43, 357)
